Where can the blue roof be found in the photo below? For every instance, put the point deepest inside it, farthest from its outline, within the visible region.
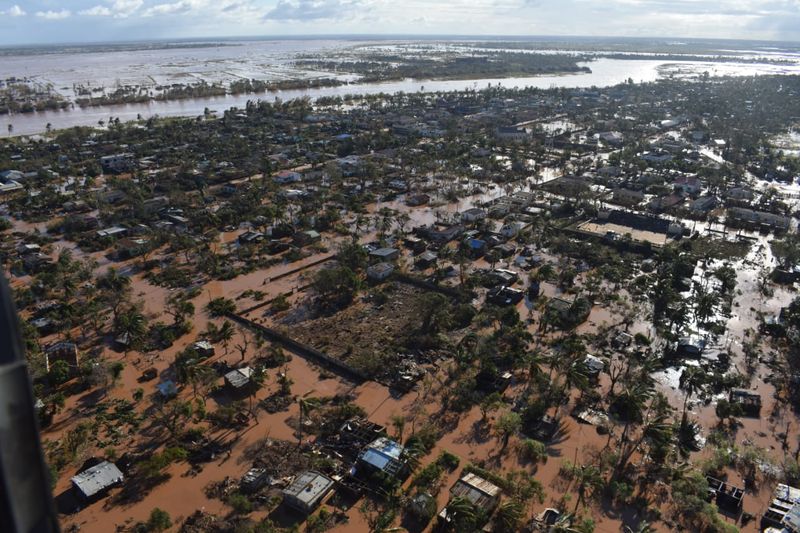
(381, 453)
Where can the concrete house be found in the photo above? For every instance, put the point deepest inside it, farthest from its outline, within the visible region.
(307, 491)
(380, 271)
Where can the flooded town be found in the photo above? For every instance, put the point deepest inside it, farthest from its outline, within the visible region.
(554, 308)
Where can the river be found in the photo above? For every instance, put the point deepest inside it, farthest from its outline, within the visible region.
(604, 73)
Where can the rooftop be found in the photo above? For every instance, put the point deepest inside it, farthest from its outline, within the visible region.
(239, 378)
(308, 488)
(482, 493)
(97, 479)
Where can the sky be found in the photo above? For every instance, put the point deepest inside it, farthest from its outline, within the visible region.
(57, 21)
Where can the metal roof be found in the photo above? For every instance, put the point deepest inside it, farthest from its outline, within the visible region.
(383, 454)
(308, 488)
(97, 478)
(482, 493)
(239, 378)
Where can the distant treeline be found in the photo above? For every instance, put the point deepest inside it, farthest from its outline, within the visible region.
(17, 96)
(260, 86)
(385, 67)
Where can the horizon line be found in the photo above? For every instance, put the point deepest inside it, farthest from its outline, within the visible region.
(386, 36)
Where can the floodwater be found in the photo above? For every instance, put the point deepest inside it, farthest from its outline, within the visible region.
(273, 60)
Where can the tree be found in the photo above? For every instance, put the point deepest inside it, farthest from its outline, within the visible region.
(508, 516)
(787, 250)
(490, 403)
(352, 255)
(589, 481)
(225, 334)
(220, 307)
(243, 346)
(159, 520)
(115, 290)
(59, 372)
(285, 382)
(306, 406)
(131, 325)
(434, 312)
(336, 286)
(461, 514)
(399, 425)
(178, 307)
(172, 415)
(691, 381)
(508, 424)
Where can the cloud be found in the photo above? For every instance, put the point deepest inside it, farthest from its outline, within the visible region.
(14, 11)
(119, 9)
(96, 11)
(312, 9)
(125, 8)
(54, 15)
(182, 6)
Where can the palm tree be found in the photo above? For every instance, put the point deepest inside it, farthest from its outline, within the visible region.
(306, 406)
(132, 325)
(199, 375)
(643, 527)
(589, 480)
(691, 381)
(399, 424)
(535, 360)
(115, 289)
(460, 514)
(509, 515)
(225, 334)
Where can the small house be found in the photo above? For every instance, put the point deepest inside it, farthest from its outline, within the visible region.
(504, 250)
(383, 456)
(416, 200)
(61, 351)
(473, 215)
(414, 244)
(250, 237)
(503, 295)
(729, 498)
(703, 204)
(691, 346)
(475, 248)
(748, 401)
(304, 238)
(253, 479)
(385, 254)
(380, 271)
(621, 340)
(785, 500)
(238, 378)
(307, 491)
(97, 480)
(203, 348)
(628, 197)
(167, 389)
(426, 260)
(482, 494)
(594, 366)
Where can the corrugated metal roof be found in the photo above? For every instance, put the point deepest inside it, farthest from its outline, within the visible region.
(97, 478)
(479, 491)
